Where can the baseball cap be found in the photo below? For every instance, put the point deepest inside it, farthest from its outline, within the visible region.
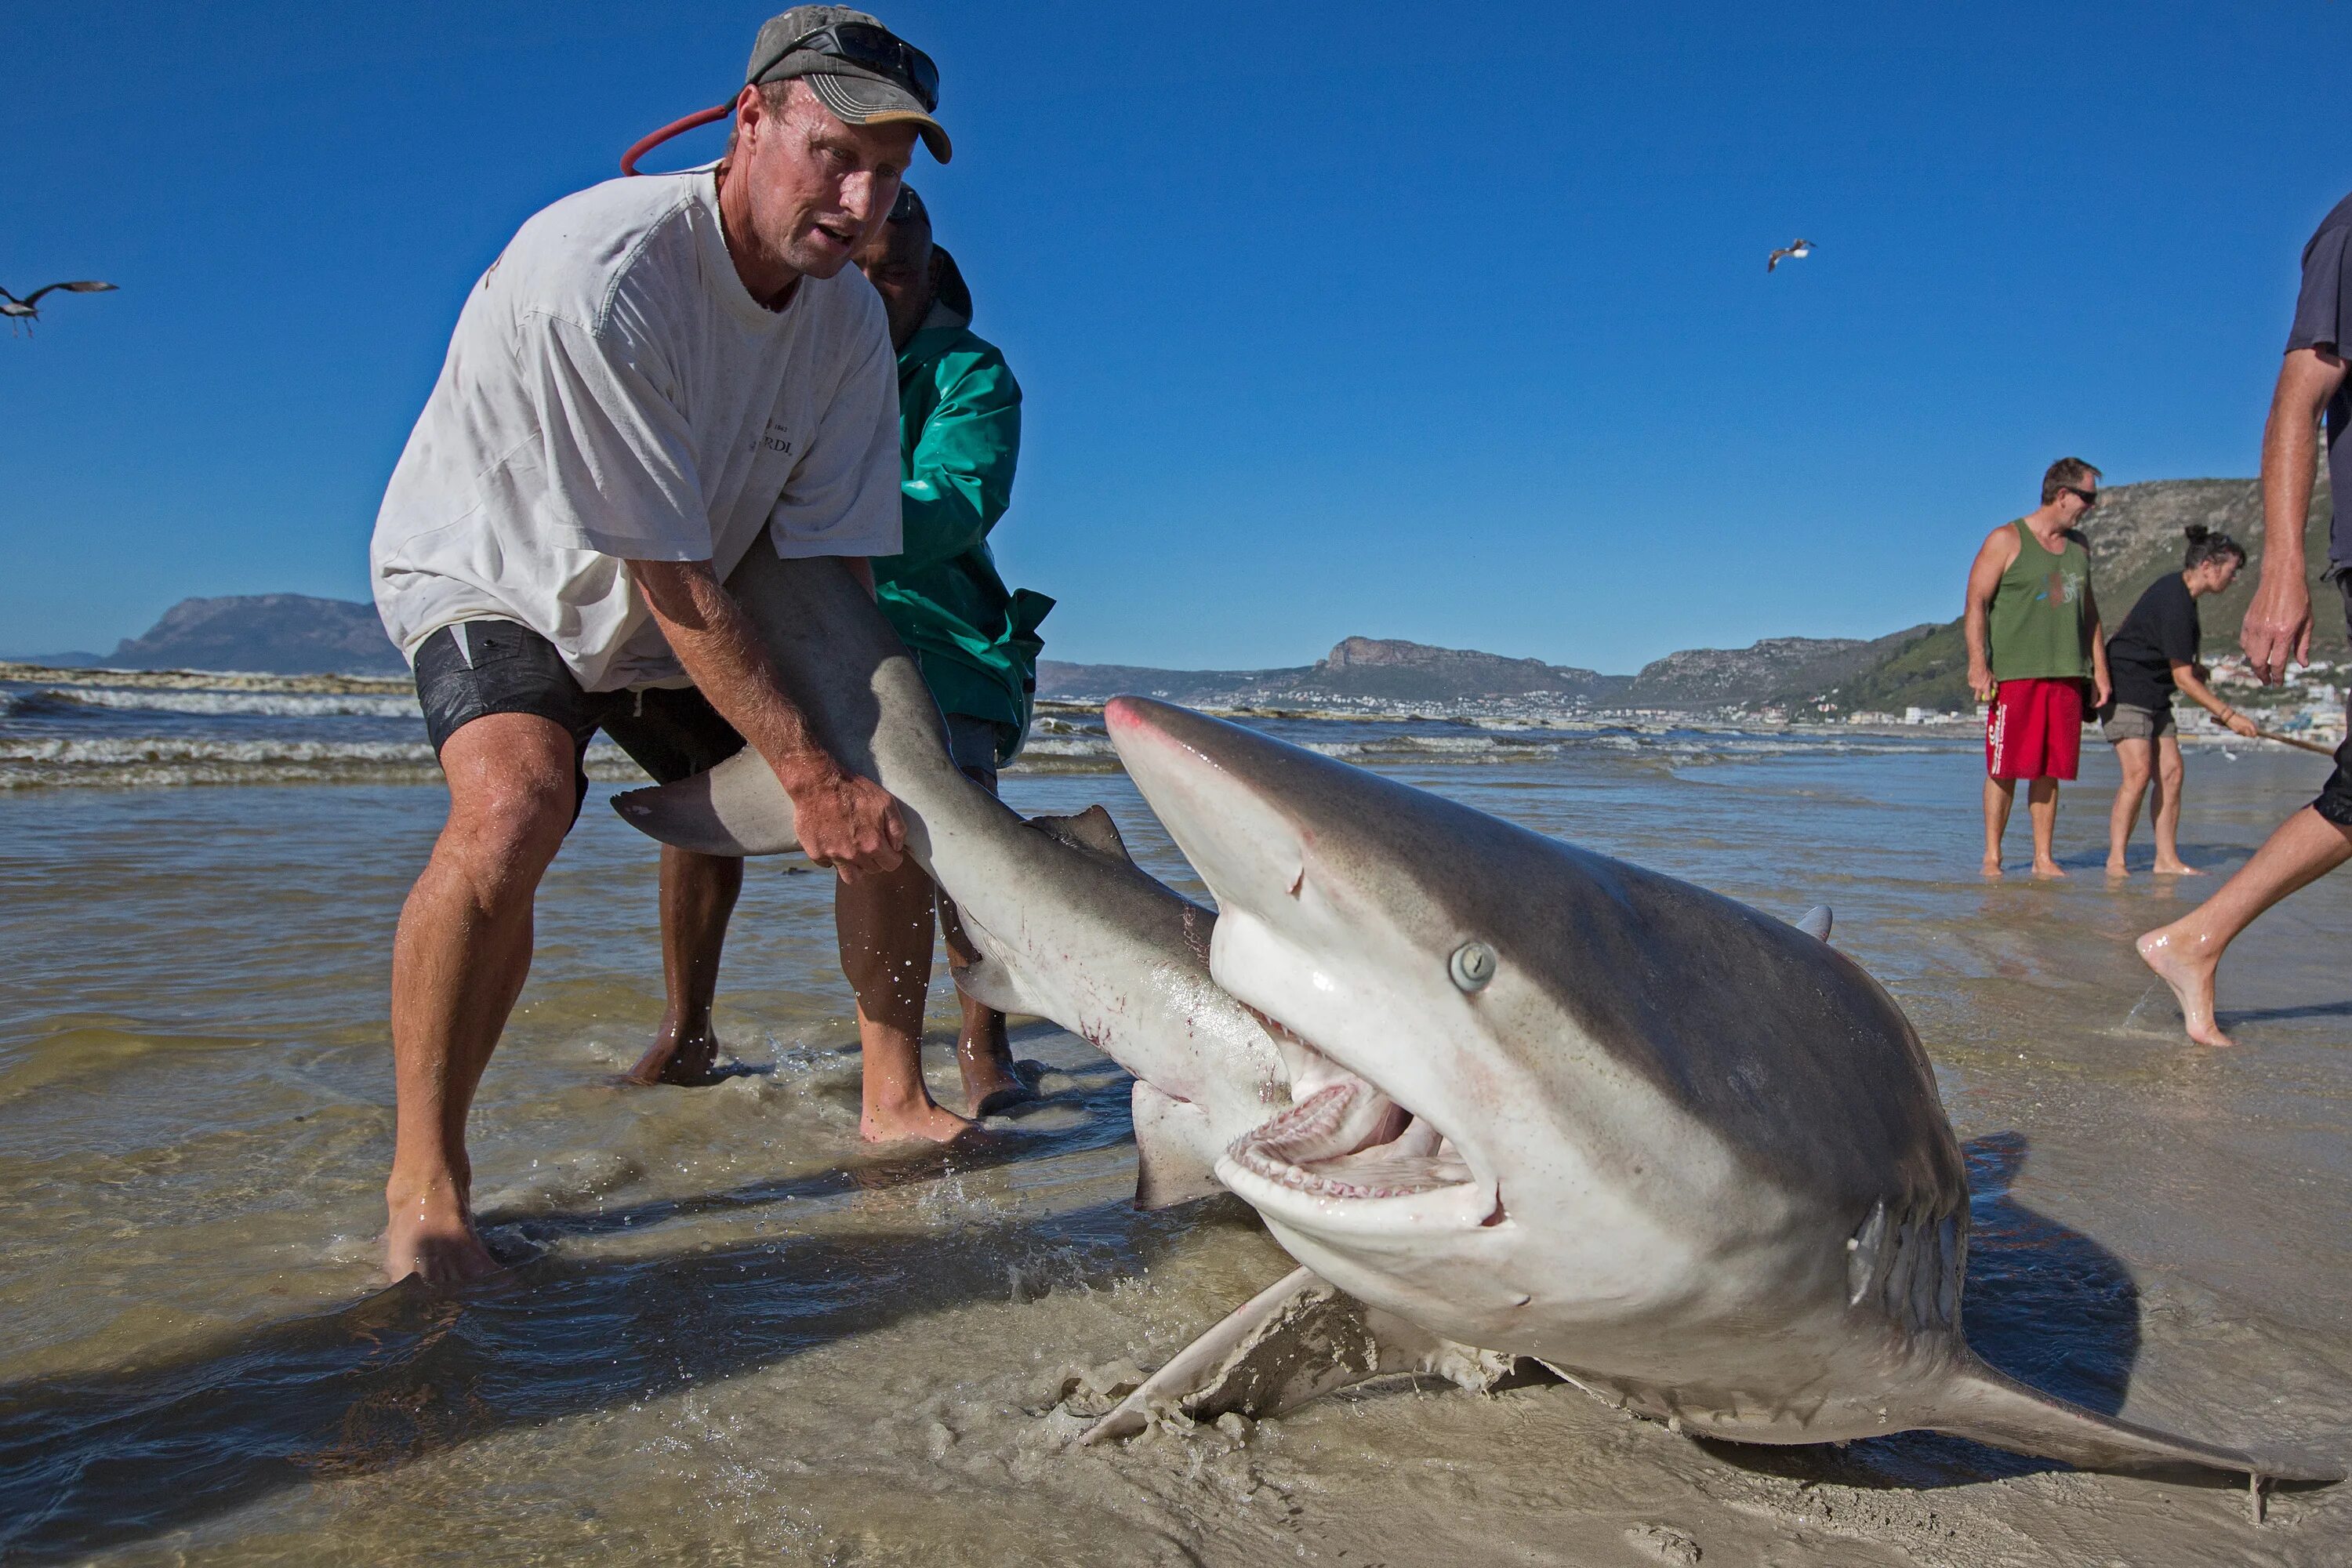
(860, 71)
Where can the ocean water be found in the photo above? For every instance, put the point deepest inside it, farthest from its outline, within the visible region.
(733, 1332)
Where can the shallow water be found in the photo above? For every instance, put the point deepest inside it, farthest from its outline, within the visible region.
(737, 1333)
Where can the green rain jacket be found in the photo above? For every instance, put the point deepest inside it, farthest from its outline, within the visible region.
(959, 437)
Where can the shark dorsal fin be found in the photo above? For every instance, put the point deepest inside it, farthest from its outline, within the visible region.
(1091, 830)
(1815, 922)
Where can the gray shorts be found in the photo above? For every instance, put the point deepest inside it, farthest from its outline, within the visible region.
(2125, 723)
(972, 746)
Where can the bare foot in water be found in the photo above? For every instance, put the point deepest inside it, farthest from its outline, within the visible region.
(2117, 869)
(2177, 868)
(682, 1059)
(984, 1057)
(2190, 975)
(899, 1124)
(1991, 870)
(432, 1237)
(2046, 869)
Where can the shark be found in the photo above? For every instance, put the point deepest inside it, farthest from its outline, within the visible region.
(1509, 1104)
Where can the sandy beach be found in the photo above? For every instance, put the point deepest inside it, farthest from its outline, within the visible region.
(733, 1332)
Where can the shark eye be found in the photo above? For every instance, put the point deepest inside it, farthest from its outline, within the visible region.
(1472, 965)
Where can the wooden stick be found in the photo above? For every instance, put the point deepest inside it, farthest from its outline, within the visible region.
(2299, 745)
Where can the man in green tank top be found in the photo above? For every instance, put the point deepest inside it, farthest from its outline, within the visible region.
(2034, 638)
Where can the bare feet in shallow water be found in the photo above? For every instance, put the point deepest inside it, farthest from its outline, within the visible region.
(899, 1124)
(2046, 869)
(431, 1234)
(683, 1059)
(2181, 964)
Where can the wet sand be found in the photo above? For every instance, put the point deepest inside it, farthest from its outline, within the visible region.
(733, 1332)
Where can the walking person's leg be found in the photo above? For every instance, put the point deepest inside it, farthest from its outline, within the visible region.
(2187, 953)
(2132, 755)
(883, 923)
(2042, 806)
(2170, 775)
(697, 898)
(458, 961)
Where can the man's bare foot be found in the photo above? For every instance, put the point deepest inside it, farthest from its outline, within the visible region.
(685, 1060)
(1993, 868)
(2177, 868)
(2181, 964)
(2115, 868)
(2046, 869)
(899, 1124)
(990, 1084)
(432, 1237)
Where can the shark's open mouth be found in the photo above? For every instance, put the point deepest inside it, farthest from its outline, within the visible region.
(1344, 1138)
(1350, 1141)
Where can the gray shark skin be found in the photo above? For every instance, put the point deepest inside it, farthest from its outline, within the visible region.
(1070, 929)
(1739, 1331)
(1553, 1105)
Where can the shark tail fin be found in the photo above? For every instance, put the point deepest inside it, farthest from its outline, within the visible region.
(736, 808)
(1980, 1403)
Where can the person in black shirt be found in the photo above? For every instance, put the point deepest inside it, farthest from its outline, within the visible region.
(2152, 654)
(2312, 381)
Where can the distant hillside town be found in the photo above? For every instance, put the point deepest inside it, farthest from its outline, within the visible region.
(1915, 675)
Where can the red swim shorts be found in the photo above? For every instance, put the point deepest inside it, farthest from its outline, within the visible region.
(2034, 730)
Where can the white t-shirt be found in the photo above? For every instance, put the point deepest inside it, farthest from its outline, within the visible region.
(613, 393)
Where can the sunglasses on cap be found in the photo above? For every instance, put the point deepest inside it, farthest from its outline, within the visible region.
(869, 48)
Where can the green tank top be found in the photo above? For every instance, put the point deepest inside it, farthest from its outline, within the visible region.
(2040, 623)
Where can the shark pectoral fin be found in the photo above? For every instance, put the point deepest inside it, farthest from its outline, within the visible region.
(736, 808)
(1175, 1150)
(1091, 830)
(1980, 1403)
(1815, 922)
(991, 982)
(1297, 1340)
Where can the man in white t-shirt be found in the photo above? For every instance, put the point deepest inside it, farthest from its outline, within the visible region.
(656, 376)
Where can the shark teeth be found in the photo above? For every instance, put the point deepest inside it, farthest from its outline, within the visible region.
(1348, 1139)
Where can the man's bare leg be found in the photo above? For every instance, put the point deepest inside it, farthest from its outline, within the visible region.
(697, 895)
(458, 961)
(2132, 756)
(2042, 806)
(884, 924)
(2169, 775)
(2186, 954)
(984, 1054)
(2000, 795)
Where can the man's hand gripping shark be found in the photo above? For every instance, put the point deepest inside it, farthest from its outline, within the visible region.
(1515, 1100)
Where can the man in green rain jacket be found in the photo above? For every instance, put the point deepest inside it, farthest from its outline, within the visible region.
(960, 434)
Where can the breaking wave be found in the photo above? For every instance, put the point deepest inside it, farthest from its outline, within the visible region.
(154, 762)
(261, 704)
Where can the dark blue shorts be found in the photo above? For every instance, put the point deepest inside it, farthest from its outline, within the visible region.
(472, 670)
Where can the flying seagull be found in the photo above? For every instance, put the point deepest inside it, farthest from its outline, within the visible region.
(29, 308)
(1800, 248)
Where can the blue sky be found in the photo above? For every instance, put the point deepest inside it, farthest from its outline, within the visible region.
(1332, 319)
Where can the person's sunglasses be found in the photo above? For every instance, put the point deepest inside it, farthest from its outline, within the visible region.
(2088, 497)
(870, 48)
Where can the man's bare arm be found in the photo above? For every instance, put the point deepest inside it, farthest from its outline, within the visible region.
(2277, 628)
(1984, 580)
(842, 819)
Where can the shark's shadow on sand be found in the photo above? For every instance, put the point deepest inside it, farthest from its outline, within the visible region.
(2044, 1304)
(91, 1461)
